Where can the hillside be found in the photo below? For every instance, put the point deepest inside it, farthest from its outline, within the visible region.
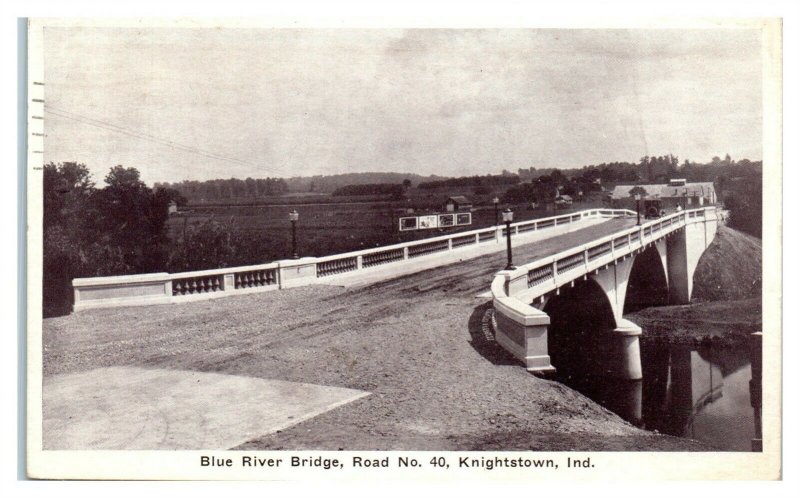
(730, 268)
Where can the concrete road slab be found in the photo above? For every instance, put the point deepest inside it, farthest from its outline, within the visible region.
(127, 408)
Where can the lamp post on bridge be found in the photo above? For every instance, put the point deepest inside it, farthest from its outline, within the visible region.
(496, 218)
(293, 217)
(508, 217)
(638, 218)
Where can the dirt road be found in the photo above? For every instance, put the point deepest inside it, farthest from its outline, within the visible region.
(417, 343)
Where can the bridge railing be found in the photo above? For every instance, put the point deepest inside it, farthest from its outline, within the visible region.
(536, 279)
(155, 288)
(521, 329)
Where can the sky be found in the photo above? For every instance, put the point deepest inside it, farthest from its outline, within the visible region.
(203, 103)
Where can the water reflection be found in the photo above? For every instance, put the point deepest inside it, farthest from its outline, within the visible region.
(702, 394)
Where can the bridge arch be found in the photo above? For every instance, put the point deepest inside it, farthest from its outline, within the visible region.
(647, 283)
(581, 319)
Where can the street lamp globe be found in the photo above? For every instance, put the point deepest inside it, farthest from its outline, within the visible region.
(294, 215)
(508, 215)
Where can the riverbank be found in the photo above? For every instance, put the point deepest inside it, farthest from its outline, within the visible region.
(722, 323)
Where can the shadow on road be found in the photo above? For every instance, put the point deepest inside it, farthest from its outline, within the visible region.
(482, 337)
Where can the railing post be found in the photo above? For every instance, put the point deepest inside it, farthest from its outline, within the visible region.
(477, 238)
(229, 283)
(359, 262)
(450, 244)
(405, 252)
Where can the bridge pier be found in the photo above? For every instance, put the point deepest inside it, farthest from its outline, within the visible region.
(684, 249)
(624, 355)
(623, 358)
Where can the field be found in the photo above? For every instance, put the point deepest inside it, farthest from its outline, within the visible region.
(330, 225)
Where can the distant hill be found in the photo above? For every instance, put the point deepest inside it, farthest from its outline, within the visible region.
(330, 183)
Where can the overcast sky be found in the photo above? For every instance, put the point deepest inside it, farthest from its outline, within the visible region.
(192, 103)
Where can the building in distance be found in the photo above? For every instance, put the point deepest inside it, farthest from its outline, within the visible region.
(668, 197)
(457, 203)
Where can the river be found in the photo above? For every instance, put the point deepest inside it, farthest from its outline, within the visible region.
(699, 393)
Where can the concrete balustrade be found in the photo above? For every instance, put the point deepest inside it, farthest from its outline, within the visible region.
(161, 288)
(521, 328)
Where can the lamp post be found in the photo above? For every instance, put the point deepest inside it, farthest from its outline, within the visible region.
(508, 217)
(638, 218)
(496, 218)
(293, 217)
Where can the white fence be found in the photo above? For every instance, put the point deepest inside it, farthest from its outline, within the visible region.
(154, 288)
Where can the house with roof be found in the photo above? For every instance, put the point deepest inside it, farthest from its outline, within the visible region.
(457, 203)
(676, 193)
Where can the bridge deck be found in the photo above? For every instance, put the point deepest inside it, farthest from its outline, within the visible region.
(487, 260)
(417, 343)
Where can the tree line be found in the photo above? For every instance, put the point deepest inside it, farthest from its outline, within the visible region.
(738, 183)
(232, 188)
(91, 231)
(391, 189)
(472, 181)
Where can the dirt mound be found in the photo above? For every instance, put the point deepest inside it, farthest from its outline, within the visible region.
(730, 268)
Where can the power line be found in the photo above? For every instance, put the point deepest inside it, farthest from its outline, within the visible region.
(140, 135)
(143, 136)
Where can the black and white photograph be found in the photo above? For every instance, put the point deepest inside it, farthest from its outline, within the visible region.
(257, 250)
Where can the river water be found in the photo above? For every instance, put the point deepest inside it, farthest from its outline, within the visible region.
(701, 394)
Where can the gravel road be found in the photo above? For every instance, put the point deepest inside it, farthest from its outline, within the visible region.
(417, 343)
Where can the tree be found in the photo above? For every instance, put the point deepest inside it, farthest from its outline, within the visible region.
(67, 191)
(115, 230)
(407, 184)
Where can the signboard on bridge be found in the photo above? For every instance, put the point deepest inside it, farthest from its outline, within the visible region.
(447, 220)
(434, 221)
(409, 223)
(431, 221)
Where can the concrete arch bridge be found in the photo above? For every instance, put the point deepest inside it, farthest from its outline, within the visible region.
(572, 303)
